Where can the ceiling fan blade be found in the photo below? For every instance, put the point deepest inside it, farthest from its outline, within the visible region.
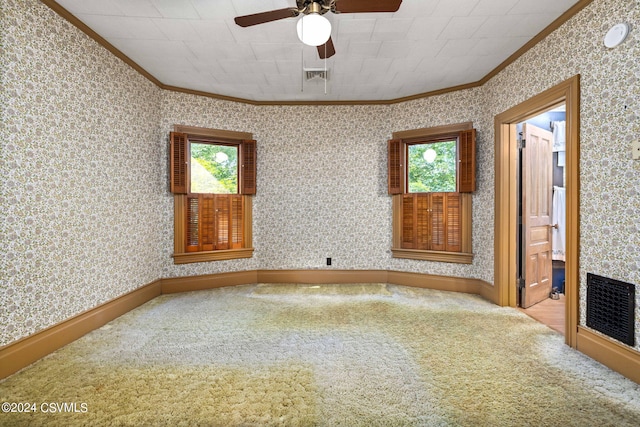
(330, 49)
(356, 6)
(261, 18)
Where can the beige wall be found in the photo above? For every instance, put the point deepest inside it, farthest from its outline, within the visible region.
(321, 169)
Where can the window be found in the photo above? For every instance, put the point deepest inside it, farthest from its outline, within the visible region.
(214, 168)
(432, 167)
(213, 175)
(431, 194)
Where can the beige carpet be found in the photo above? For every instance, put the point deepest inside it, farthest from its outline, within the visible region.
(321, 355)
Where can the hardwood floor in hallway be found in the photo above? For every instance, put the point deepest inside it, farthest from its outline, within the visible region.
(551, 312)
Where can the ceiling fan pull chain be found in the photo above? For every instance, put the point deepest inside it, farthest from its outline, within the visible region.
(326, 75)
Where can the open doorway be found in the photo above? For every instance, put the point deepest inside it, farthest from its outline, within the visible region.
(506, 197)
(541, 196)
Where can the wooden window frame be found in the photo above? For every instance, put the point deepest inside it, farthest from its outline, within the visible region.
(465, 184)
(179, 186)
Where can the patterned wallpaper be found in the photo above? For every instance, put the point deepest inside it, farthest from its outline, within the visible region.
(80, 194)
(321, 169)
(610, 120)
(321, 183)
(198, 111)
(457, 107)
(322, 189)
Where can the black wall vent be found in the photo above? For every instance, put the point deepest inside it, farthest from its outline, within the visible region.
(611, 307)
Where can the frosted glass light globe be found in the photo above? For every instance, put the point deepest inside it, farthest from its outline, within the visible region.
(430, 155)
(221, 157)
(314, 29)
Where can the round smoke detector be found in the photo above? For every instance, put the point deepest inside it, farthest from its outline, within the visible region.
(616, 35)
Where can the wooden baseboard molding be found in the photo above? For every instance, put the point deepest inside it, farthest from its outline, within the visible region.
(208, 281)
(217, 280)
(616, 356)
(443, 283)
(322, 276)
(489, 292)
(421, 280)
(22, 353)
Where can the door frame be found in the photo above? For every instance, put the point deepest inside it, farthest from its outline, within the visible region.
(506, 197)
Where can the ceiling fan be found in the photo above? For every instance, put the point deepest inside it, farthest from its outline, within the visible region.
(313, 28)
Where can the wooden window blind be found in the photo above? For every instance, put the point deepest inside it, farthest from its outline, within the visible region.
(193, 222)
(236, 215)
(431, 221)
(453, 221)
(467, 161)
(423, 226)
(214, 222)
(408, 222)
(438, 222)
(222, 222)
(248, 167)
(179, 160)
(395, 161)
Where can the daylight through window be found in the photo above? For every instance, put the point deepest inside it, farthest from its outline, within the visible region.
(432, 167)
(214, 168)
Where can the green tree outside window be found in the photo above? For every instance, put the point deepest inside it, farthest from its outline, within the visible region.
(432, 167)
(214, 168)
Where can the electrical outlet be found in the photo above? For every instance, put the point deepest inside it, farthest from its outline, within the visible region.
(328, 261)
(635, 149)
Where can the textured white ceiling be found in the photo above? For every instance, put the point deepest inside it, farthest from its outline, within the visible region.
(426, 45)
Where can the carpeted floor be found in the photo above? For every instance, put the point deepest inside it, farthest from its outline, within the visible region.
(321, 355)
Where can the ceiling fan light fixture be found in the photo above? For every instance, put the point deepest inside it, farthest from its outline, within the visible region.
(430, 155)
(314, 29)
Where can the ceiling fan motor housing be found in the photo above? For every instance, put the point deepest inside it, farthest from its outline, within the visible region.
(313, 6)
